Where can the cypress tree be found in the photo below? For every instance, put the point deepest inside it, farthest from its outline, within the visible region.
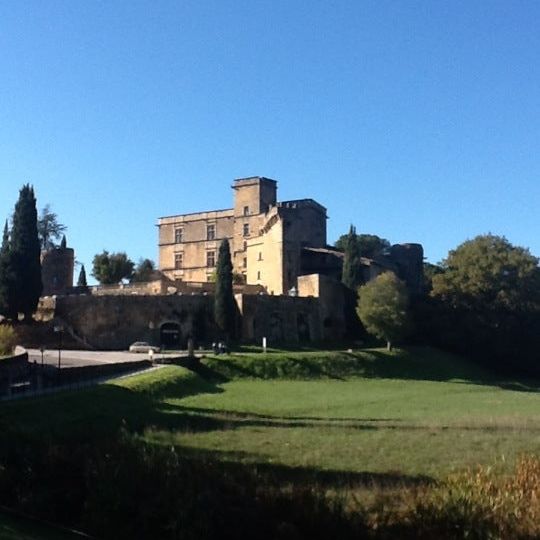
(26, 251)
(81, 282)
(7, 307)
(351, 276)
(63, 243)
(224, 304)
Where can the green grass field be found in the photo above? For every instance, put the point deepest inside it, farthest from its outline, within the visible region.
(400, 415)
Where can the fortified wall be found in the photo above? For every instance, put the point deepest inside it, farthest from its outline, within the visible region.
(116, 321)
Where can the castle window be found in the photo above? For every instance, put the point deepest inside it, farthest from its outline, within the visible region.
(260, 256)
(211, 232)
(245, 246)
(246, 229)
(246, 210)
(211, 258)
(245, 262)
(178, 235)
(178, 260)
(258, 274)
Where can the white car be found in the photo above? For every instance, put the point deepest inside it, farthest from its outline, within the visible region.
(142, 347)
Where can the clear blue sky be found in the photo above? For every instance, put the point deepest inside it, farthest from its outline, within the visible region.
(416, 121)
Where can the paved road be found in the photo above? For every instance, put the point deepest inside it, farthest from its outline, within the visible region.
(86, 358)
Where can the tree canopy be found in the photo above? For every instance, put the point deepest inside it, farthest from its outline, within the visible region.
(50, 230)
(112, 268)
(487, 303)
(81, 282)
(368, 245)
(25, 254)
(7, 279)
(224, 304)
(144, 271)
(383, 307)
(351, 274)
(489, 271)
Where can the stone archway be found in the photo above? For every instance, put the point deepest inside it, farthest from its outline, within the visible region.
(170, 335)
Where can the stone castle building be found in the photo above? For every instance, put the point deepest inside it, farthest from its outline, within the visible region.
(275, 246)
(268, 239)
(272, 243)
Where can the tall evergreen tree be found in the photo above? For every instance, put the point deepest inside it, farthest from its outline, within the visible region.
(7, 307)
(25, 253)
(351, 276)
(224, 304)
(81, 282)
(63, 243)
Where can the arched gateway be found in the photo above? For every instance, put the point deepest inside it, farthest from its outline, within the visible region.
(169, 335)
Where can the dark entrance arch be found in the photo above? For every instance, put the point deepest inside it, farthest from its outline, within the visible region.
(169, 335)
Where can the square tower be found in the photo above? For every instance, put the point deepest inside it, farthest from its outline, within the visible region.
(253, 195)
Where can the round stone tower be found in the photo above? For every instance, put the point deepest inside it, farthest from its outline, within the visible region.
(57, 266)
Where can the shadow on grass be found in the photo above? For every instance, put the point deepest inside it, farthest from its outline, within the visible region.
(193, 419)
(97, 414)
(275, 473)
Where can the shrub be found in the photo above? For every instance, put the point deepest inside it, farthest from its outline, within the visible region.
(7, 340)
(482, 504)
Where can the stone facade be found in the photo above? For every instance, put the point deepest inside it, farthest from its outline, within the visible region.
(281, 319)
(116, 321)
(330, 296)
(266, 237)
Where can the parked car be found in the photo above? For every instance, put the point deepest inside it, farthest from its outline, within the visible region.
(142, 347)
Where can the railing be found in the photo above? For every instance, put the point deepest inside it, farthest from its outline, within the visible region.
(46, 379)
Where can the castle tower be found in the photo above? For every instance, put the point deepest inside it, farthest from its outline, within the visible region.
(253, 197)
(57, 266)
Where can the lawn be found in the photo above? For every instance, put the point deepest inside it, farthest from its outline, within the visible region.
(359, 425)
(321, 439)
(409, 414)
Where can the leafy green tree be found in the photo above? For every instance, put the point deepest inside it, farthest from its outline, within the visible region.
(488, 303)
(112, 268)
(383, 308)
(369, 245)
(81, 282)
(144, 271)
(25, 254)
(7, 278)
(489, 271)
(49, 228)
(224, 303)
(351, 275)
(430, 271)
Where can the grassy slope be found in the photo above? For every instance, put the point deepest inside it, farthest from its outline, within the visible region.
(420, 412)
(406, 415)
